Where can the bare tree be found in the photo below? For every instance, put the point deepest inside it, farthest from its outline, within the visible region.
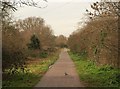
(36, 25)
(99, 37)
(104, 8)
(61, 41)
(7, 6)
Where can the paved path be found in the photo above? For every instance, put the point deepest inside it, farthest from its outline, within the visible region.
(55, 76)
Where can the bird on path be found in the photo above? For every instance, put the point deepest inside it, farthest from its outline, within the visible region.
(65, 73)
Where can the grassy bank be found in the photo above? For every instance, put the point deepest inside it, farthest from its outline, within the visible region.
(94, 76)
(35, 69)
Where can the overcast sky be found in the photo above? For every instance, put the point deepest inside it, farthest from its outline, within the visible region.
(61, 15)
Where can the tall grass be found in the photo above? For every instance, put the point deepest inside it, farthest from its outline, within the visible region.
(96, 76)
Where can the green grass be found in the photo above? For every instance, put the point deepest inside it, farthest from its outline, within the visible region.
(32, 74)
(94, 76)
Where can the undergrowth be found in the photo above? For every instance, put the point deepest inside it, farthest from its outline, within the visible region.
(96, 76)
(31, 74)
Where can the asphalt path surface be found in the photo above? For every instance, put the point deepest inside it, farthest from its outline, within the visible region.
(61, 74)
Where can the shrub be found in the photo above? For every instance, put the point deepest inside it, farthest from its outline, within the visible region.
(34, 44)
(43, 55)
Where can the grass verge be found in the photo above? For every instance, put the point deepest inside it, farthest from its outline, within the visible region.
(96, 76)
(32, 74)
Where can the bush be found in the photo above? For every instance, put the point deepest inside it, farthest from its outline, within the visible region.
(43, 55)
(12, 50)
(35, 43)
(98, 40)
